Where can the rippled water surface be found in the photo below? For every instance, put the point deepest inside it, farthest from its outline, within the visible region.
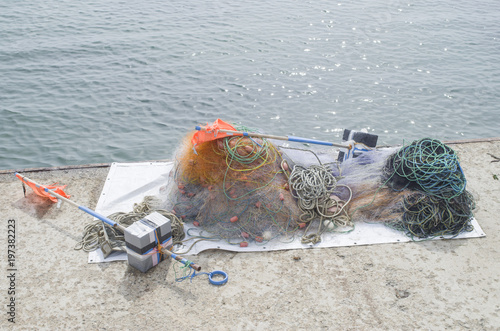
(92, 82)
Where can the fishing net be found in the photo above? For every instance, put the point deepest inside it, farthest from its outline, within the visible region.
(243, 189)
(429, 216)
(239, 189)
(233, 188)
(371, 200)
(418, 189)
(439, 204)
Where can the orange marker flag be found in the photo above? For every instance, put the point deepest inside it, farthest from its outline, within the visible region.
(40, 189)
(211, 132)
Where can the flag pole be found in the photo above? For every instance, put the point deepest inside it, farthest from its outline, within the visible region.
(85, 209)
(287, 138)
(103, 218)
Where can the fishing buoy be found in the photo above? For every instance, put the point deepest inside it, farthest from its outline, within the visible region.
(196, 223)
(233, 219)
(282, 197)
(243, 244)
(245, 235)
(302, 225)
(329, 224)
(259, 239)
(258, 204)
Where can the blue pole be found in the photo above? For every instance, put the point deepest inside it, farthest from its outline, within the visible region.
(83, 208)
(288, 138)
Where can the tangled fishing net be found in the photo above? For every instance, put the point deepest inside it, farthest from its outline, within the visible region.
(440, 204)
(242, 189)
(421, 190)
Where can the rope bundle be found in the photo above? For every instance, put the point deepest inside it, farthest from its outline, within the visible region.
(432, 166)
(441, 205)
(427, 216)
(314, 188)
(93, 234)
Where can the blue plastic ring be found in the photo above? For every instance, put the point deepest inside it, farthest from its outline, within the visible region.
(217, 282)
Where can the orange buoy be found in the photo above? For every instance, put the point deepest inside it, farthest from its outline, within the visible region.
(245, 235)
(233, 219)
(259, 239)
(196, 223)
(302, 225)
(243, 244)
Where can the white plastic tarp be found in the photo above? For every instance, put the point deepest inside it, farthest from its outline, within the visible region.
(129, 183)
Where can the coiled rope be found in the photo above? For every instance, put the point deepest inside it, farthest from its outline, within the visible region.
(426, 216)
(441, 205)
(433, 166)
(314, 188)
(93, 233)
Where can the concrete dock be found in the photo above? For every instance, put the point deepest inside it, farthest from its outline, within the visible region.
(430, 285)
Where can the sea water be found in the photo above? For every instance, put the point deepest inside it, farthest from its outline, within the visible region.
(115, 81)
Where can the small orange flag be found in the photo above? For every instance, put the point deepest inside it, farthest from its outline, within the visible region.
(211, 132)
(40, 189)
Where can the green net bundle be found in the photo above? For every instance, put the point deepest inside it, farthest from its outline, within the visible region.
(429, 216)
(439, 204)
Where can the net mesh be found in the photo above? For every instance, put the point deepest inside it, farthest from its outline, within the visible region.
(245, 189)
(234, 188)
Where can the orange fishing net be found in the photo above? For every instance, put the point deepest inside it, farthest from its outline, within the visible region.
(233, 188)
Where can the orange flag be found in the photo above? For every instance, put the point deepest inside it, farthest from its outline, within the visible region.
(40, 189)
(211, 132)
